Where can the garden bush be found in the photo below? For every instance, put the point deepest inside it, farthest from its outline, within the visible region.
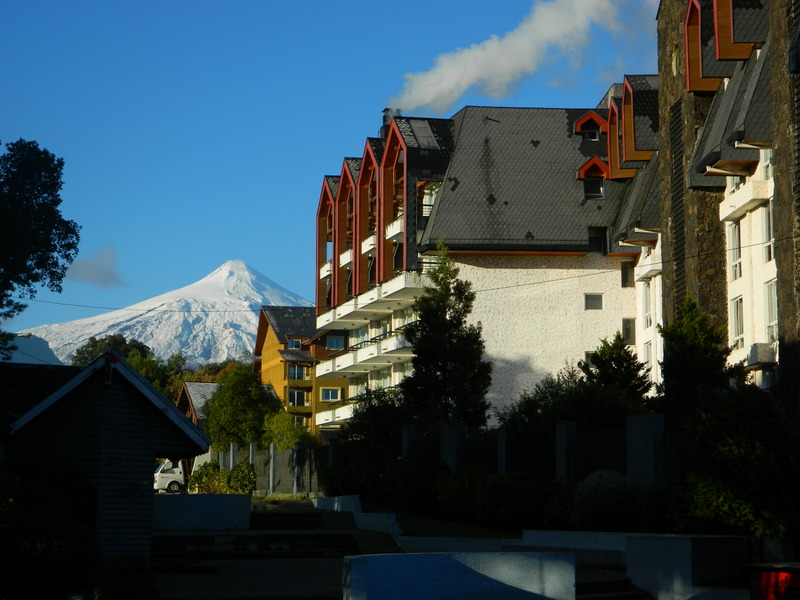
(605, 501)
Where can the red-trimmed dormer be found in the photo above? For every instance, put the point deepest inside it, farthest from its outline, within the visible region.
(727, 47)
(366, 220)
(325, 217)
(392, 204)
(615, 170)
(593, 173)
(693, 41)
(628, 134)
(591, 125)
(343, 229)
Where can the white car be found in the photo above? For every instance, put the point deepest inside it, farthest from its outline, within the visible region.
(169, 477)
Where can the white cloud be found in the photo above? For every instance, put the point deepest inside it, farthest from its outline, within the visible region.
(492, 67)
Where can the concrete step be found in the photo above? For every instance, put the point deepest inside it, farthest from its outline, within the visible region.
(602, 584)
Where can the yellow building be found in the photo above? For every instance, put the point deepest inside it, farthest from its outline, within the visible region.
(288, 346)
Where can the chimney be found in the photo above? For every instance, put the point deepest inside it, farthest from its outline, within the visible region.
(388, 115)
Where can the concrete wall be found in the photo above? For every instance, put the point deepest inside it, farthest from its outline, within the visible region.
(500, 576)
(533, 315)
(188, 512)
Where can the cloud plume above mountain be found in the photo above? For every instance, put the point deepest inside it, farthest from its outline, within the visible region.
(495, 65)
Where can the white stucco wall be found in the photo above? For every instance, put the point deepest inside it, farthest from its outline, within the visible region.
(533, 315)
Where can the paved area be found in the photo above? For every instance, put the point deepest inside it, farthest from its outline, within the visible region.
(275, 579)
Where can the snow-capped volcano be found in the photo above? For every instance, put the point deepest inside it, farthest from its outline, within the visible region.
(212, 320)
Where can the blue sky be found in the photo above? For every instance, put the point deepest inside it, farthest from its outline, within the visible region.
(196, 132)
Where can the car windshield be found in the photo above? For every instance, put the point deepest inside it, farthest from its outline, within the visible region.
(164, 465)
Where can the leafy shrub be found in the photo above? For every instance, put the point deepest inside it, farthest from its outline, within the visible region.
(605, 501)
(242, 479)
(209, 479)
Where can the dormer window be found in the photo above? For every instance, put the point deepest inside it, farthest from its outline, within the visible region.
(593, 187)
(590, 132)
(293, 344)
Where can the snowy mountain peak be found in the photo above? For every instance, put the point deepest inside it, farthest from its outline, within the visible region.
(211, 320)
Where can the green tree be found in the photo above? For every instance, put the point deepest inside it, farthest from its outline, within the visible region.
(166, 376)
(37, 244)
(236, 411)
(616, 372)
(695, 358)
(450, 377)
(94, 348)
(281, 429)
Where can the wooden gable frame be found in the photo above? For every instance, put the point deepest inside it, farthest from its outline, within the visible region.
(325, 210)
(592, 117)
(593, 167)
(392, 202)
(615, 169)
(693, 48)
(343, 236)
(726, 47)
(629, 151)
(366, 220)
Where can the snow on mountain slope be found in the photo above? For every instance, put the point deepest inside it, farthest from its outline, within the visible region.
(212, 320)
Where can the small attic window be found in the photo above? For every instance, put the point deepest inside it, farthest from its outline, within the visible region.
(593, 187)
(591, 132)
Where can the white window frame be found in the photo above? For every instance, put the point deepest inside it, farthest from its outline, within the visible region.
(735, 249)
(767, 169)
(589, 301)
(771, 310)
(293, 344)
(328, 340)
(737, 323)
(296, 398)
(322, 393)
(292, 367)
(769, 232)
(647, 309)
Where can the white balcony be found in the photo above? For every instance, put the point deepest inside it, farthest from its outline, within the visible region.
(346, 257)
(334, 416)
(752, 193)
(368, 245)
(648, 266)
(325, 270)
(394, 230)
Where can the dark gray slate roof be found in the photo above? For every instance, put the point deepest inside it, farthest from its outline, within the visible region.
(333, 184)
(293, 321)
(711, 66)
(640, 209)
(296, 355)
(645, 110)
(750, 20)
(376, 145)
(512, 183)
(742, 112)
(429, 144)
(200, 393)
(353, 165)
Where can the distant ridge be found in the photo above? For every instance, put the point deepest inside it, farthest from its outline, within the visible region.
(212, 320)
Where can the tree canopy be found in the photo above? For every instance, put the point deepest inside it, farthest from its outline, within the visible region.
(237, 410)
(94, 348)
(37, 244)
(450, 378)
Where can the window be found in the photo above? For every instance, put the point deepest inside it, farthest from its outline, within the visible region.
(331, 394)
(647, 357)
(629, 331)
(293, 344)
(771, 305)
(769, 232)
(593, 301)
(766, 163)
(334, 342)
(593, 187)
(647, 310)
(734, 183)
(297, 372)
(737, 323)
(588, 358)
(590, 133)
(627, 273)
(297, 398)
(735, 249)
